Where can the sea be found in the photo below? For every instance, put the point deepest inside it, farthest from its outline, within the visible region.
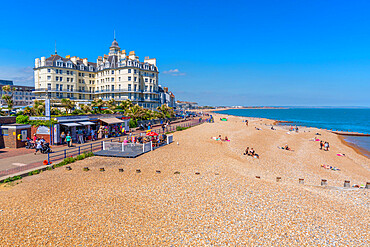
(340, 119)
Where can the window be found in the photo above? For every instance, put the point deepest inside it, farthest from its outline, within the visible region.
(68, 95)
(112, 87)
(71, 79)
(60, 78)
(57, 71)
(49, 70)
(5, 132)
(150, 80)
(67, 88)
(81, 68)
(61, 87)
(129, 78)
(112, 72)
(112, 79)
(57, 78)
(67, 72)
(79, 74)
(67, 79)
(134, 71)
(135, 78)
(135, 87)
(119, 78)
(49, 86)
(151, 89)
(60, 71)
(79, 80)
(90, 75)
(57, 86)
(146, 79)
(71, 88)
(129, 71)
(71, 72)
(83, 74)
(146, 88)
(49, 78)
(129, 87)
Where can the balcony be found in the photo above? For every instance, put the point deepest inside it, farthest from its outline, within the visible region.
(57, 90)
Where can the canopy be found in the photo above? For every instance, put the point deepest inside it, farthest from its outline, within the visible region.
(86, 123)
(111, 120)
(70, 124)
(151, 134)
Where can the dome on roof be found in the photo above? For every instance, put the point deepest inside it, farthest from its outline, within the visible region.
(114, 43)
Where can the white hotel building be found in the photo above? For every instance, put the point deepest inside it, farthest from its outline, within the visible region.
(114, 76)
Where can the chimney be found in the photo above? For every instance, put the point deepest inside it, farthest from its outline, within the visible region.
(85, 62)
(74, 59)
(42, 61)
(37, 62)
(165, 89)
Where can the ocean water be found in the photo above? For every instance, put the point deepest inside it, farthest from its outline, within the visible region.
(342, 119)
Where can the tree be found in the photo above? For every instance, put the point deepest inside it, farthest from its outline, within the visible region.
(38, 107)
(135, 112)
(86, 109)
(126, 104)
(112, 104)
(165, 111)
(28, 111)
(8, 97)
(98, 103)
(67, 104)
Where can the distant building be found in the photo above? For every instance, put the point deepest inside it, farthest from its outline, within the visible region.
(6, 82)
(22, 95)
(185, 105)
(166, 97)
(118, 76)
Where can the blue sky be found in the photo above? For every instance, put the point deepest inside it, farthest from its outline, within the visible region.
(214, 52)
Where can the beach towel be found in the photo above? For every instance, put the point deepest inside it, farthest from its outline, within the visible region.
(333, 168)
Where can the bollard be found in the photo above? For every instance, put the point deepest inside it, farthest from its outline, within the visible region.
(367, 185)
(86, 169)
(158, 171)
(102, 169)
(217, 173)
(138, 170)
(120, 170)
(301, 181)
(176, 173)
(347, 183)
(197, 173)
(258, 177)
(68, 168)
(278, 179)
(324, 182)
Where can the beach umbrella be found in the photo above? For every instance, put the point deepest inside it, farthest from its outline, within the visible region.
(151, 134)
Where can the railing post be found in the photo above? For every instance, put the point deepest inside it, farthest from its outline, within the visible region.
(79, 150)
(48, 158)
(65, 153)
(91, 147)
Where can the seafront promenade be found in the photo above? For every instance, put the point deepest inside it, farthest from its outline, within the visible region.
(201, 192)
(14, 161)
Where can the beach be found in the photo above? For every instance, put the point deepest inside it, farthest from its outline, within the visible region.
(199, 192)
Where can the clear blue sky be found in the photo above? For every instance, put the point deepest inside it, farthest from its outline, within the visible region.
(213, 52)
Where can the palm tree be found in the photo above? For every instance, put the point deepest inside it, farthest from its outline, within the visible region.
(112, 104)
(136, 112)
(68, 105)
(8, 98)
(38, 107)
(126, 104)
(28, 111)
(86, 109)
(99, 103)
(165, 111)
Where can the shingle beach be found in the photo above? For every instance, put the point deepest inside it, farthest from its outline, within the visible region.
(206, 194)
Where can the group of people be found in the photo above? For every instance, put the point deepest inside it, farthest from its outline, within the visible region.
(156, 140)
(251, 152)
(38, 144)
(324, 145)
(219, 138)
(286, 147)
(66, 138)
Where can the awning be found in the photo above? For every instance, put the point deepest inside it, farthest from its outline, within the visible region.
(111, 120)
(70, 124)
(86, 123)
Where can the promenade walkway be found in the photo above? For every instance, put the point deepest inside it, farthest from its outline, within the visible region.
(13, 161)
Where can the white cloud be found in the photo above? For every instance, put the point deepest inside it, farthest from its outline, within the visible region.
(174, 72)
(19, 75)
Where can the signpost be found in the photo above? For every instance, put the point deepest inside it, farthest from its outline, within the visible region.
(40, 118)
(47, 108)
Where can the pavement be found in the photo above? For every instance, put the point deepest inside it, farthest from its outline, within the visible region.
(15, 161)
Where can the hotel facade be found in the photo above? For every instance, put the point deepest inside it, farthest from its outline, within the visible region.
(118, 76)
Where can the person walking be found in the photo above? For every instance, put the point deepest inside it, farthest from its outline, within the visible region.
(38, 146)
(62, 137)
(69, 140)
(327, 146)
(321, 145)
(92, 135)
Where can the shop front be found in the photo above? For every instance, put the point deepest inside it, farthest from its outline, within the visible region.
(111, 127)
(78, 127)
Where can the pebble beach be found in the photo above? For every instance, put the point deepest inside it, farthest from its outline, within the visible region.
(199, 192)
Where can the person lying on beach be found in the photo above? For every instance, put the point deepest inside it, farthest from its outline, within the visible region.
(217, 138)
(226, 139)
(339, 154)
(272, 127)
(257, 128)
